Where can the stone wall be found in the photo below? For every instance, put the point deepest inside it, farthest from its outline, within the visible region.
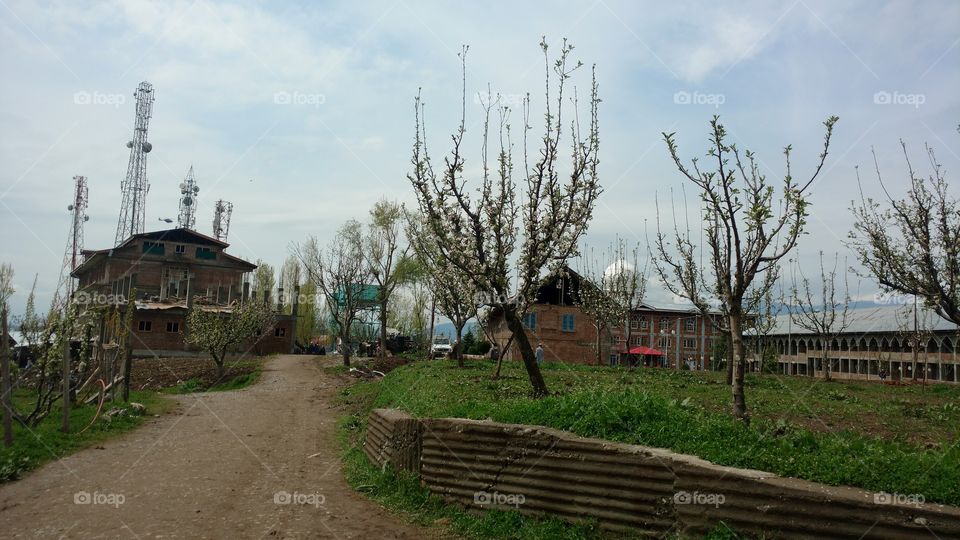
(625, 487)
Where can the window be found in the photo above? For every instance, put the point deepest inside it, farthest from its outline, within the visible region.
(280, 332)
(568, 322)
(614, 359)
(206, 253)
(664, 323)
(173, 327)
(643, 322)
(144, 326)
(690, 325)
(620, 340)
(637, 340)
(689, 343)
(663, 342)
(634, 324)
(152, 248)
(181, 249)
(530, 321)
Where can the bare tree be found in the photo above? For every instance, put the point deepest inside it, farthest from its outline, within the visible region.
(823, 315)
(264, 280)
(602, 309)
(341, 276)
(477, 230)
(626, 283)
(455, 299)
(386, 259)
(912, 245)
(746, 235)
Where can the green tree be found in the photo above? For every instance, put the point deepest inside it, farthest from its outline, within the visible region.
(263, 280)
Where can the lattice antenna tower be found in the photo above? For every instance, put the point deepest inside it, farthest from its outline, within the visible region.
(221, 219)
(74, 250)
(188, 201)
(135, 186)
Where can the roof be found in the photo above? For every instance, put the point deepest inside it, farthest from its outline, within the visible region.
(874, 319)
(181, 234)
(178, 235)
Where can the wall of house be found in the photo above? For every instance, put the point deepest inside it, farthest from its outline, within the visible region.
(575, 346)
(158, 341)
(633, 489)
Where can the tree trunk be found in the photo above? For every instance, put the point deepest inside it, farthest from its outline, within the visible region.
(345, 346)
(65, 425)
(502, 353)
(526, 352)
(382, 353)
(218, 360)
(458, 346)
(127, 360)
(599, 351)
(736, 342)
(7, 387)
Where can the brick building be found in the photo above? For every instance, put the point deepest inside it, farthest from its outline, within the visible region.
(173, 271)
(657, 336)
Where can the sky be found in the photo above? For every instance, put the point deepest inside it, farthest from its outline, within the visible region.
(301, 114)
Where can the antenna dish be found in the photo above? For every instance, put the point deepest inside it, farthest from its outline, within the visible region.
(129, 144)
(70, 207)
(147, 147)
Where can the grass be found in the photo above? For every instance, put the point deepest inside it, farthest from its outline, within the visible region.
(190, 386)
(881, 438)
(44, 443)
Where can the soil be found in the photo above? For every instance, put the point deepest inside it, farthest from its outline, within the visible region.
(159, 373)
(262, 462)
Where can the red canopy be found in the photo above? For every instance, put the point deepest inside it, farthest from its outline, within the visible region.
(645, 351)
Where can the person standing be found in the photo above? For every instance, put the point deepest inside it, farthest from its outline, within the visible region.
(539, 354)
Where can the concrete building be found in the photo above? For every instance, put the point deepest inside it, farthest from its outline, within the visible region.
(878, 339)
(657, 336)
(173, 271)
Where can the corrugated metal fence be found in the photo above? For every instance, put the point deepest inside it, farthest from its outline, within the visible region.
(538, 470)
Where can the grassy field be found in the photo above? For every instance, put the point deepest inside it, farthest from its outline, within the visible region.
(32, 447)
(895, 439)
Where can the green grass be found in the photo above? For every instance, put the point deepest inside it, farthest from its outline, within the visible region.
(895, 439)
(38, 445)
(196, 385)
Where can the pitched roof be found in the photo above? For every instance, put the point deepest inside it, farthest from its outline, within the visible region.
(875, 319)
(181, 234)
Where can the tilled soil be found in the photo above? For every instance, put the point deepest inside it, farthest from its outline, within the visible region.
(261, 462)
(159, 373)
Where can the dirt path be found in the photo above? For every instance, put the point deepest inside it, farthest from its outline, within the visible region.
(255, 463)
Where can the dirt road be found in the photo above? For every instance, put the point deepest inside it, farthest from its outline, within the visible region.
(261, 462)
